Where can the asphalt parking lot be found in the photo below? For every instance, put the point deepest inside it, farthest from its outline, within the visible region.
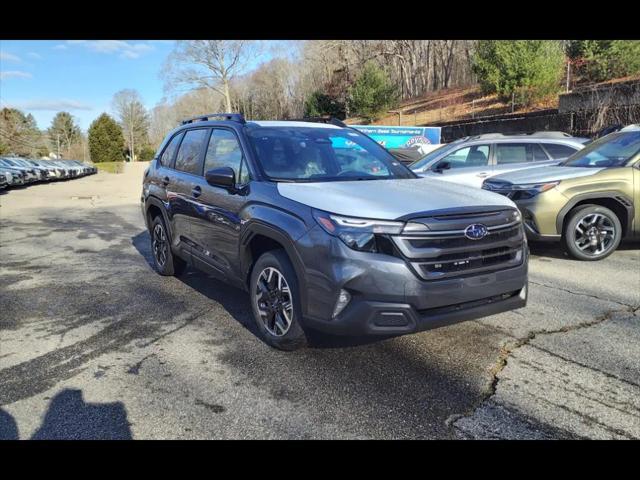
(94, 344)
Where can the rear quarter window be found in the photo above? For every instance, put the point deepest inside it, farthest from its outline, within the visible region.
(558, 151)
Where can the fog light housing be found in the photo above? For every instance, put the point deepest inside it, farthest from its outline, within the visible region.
(343, 300)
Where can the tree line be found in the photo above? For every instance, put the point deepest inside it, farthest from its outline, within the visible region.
(341, 78)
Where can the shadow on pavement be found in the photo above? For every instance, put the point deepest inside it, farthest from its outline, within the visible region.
(69, 417)
(236, 301)
(8, 426)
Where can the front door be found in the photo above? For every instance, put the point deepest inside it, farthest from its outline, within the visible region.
(467, 165)
(216, 225)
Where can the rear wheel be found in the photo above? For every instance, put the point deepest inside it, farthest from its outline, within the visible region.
(275, 301)
(592, 233)
(165, 262)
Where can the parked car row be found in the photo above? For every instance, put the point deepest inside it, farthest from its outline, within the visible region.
(17, 171)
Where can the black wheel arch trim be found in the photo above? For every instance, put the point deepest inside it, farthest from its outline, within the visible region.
(257, 227)
(156, 202)
(609, 195)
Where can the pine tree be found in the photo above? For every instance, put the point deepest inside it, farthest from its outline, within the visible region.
(519, 70)
(106, 142)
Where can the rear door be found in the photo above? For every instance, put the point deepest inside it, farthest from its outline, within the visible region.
(161, 181)
(184, 178)
(215, 226)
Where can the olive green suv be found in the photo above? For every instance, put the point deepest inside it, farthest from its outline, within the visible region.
(589, 202)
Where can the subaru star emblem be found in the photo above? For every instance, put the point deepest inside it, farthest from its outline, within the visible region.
(475, 231)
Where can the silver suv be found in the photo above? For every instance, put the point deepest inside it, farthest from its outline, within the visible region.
(471, 160)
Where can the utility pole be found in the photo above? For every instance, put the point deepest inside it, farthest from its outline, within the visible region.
(58, 141)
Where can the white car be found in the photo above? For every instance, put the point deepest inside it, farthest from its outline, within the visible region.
(471, 160)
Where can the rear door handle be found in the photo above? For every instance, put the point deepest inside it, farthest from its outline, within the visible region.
(197, 191)
(165, 181)
(483, 175)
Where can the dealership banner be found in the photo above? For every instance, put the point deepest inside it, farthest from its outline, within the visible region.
(401, 137)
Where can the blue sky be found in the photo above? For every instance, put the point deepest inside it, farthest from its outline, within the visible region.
(45, 77)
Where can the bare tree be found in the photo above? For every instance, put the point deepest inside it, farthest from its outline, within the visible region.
(133, 118)
(210, 64)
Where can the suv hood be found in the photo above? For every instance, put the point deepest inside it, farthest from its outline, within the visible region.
(544, 174)
(389, 199)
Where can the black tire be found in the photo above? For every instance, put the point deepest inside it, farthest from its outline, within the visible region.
(165, 263)
(604, 220)
(294, 337)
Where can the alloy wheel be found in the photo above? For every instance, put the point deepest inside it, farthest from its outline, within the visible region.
(274, 301)
(594, 234)
(159, 245)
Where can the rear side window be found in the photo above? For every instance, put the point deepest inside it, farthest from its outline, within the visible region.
(507, 153)
(189, 158)
(170, 151)
(559, 151)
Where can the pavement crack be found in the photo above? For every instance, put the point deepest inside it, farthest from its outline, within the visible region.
(582, 294)
(510, 346)
(135, 368)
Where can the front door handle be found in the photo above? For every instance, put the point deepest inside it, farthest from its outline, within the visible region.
(483, 175)
(197, 191)
(165, 181)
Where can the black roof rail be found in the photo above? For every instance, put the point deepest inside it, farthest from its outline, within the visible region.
(234, 117)
(330, 120)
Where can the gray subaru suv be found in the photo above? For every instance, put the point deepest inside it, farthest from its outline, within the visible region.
(327, 231)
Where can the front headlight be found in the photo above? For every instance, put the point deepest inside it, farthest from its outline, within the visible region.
(534, 189)
(357, 233)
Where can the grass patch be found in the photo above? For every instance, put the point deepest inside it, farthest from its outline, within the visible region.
(110, 167)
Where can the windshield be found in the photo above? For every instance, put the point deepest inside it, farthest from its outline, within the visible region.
(614, 150)
(317, 154)
(424, 161)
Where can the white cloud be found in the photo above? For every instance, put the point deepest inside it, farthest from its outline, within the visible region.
(53, 105)
(122, 48)
(14, 74)
(9, 57)
(35, 55)
(60, 46)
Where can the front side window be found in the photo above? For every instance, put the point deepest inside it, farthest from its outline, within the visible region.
(614, 150)
(319, 154)
(474, 156)
(189, 157)
(224, 151)
(170, 151)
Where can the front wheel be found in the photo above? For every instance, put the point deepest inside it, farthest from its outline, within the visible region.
(275, 301)
(592, 233)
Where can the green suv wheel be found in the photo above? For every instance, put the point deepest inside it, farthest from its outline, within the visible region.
(592, 232)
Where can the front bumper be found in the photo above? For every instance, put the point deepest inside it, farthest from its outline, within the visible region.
(388, 298)
(383, 318)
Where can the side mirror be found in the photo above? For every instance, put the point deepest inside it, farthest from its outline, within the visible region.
(223, 177)
(441, 166)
